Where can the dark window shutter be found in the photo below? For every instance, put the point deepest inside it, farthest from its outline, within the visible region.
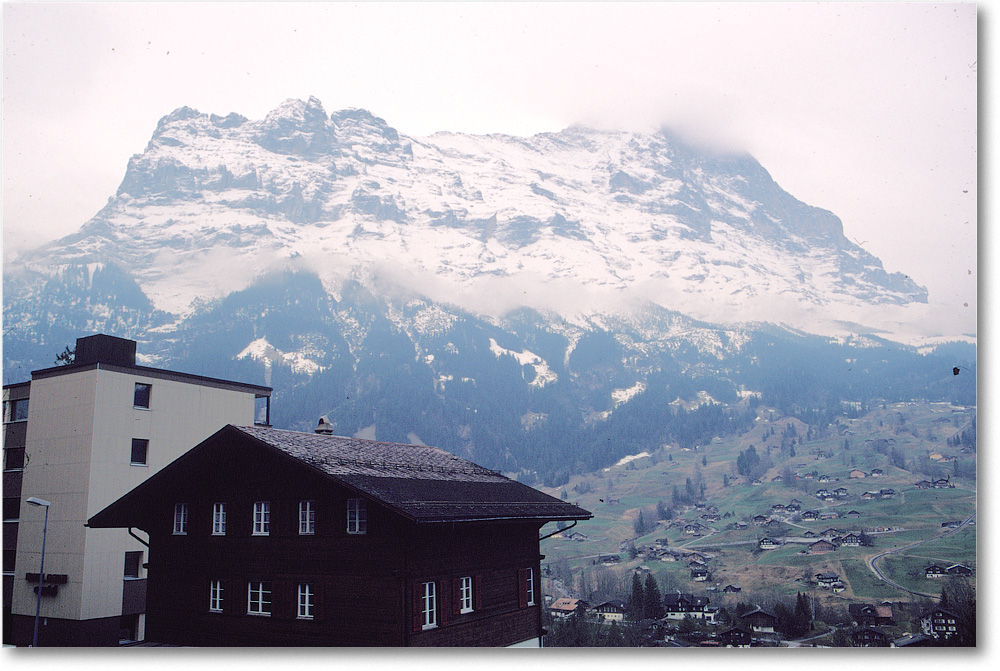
(522, 587)
(477, 592)
(234, 597)
(318, 601)
(456, 596)
(444, 600)
(284, 599)
(418, 618)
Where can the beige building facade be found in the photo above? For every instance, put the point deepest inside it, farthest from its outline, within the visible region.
(90, 432)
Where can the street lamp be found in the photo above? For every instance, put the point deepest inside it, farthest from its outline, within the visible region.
(35, 501)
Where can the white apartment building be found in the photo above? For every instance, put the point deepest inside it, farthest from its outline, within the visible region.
(80, 436)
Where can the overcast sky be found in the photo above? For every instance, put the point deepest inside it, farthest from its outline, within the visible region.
(868, 110)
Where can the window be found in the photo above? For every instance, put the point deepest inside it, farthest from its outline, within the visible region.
(142, 392)
(261, 518)
(357, 516)
(13, 459)
(133, 562)
(307, 601)
(11, 508)
(16, 410)
(218, 519)
(307, 518)
(465, 594)
(428, 606)
(215, 596)
(259, 598)
(526, 587)
(180, 518)
(140, 450)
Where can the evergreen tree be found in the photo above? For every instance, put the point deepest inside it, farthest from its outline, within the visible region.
(636, 600)
(652, 601)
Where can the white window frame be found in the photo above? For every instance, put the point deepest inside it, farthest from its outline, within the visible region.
(219, 519)
(428, 606)
(261, 518)
(180, 519)
(306, 601)
(530, 577)
(357, 516)
(307, 518)
(215, 596)
(465, 594)
(256, 602)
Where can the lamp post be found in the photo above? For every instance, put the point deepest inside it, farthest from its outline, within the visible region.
(35, 501)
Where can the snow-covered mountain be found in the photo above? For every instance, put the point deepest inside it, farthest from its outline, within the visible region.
(576, 221)
(546, 282)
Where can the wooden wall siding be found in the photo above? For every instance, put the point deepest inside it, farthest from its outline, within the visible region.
(364, 583)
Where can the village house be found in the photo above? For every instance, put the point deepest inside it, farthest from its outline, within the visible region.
(610, 611)
(827, 580)
(266, 537)
(760, 520)
(608, 560)
(768, 543)
(732, 589)
(853, 514)
(935, 571)
(943, 483)
(887, 493)
(857, 473)
(876, 472)
(700, 574)
(959, 569)
(677, 605)
(866, 637)
(760, 621)
(841, 492)
(565, 607)
(939, 623)
(736, 637)
(869, 496)
(924, 484)
(810, 516)
(851, 541)
(824, 478)
(867, 615)
(821, 547)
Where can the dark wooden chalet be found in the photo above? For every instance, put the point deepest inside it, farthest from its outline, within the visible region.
(939, 623)
(265, 537)
(959, 569)
(821, 547)
(759, 621)
(868, 615)
(935, 571)
(866, 637)
(737, 637)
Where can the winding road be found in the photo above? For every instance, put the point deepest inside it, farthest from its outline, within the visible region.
(879, 574)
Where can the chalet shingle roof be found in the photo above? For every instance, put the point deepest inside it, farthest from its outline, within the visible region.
(424, 484)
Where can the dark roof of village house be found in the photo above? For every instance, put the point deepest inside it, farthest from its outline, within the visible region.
(422, 483)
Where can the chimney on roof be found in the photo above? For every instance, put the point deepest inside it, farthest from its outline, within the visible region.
(324, 427)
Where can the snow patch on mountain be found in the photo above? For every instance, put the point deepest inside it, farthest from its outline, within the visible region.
(543, 374)
(261, 350)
